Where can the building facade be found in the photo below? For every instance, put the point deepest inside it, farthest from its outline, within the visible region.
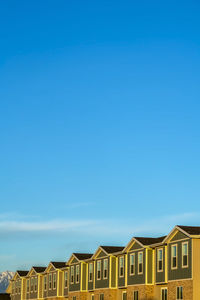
(163, 268)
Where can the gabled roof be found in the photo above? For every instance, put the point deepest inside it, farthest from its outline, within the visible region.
(39, 269)
(58, 264)
(191, 230)
(79, 257)
(22, 273)
(144, 241)
(112, 249)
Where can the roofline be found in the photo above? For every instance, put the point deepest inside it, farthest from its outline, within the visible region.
(128, 245)
(178, 228)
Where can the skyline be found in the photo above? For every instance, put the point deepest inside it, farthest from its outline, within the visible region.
(99, 125)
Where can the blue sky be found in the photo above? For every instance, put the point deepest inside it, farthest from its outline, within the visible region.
(99, 124)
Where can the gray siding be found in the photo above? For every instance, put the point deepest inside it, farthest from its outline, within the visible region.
(160, 276)
(150, 266)
(137, 278)
(75, 286)
(91, 283)
(180, 273)
(121, 280)
(113, 271)
(102, 283)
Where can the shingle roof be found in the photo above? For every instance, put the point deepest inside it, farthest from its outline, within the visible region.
(82, 256)
(22, 273)
(190, 229)
(39, 269)
(112, 249)
(149, 240)
(58, 264)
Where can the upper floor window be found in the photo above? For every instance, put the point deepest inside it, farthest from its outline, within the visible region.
(185, 254)
(45, 282)
(19, 286)
(132, 264)
(179, 293)
(164, 294)
(98, 269)
(90, 271)
(105, 268)
(66, 279)
(35, 284)
(50, 281)
(77, 273)
(27, 286)
(140, 262)
(72, 274)
(16, 287)
(174, 256)
(121, 266)
(32, 283)
(135, 295)
(159, 260)
(54, 281)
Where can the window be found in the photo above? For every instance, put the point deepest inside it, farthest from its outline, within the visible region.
(92, 297)
(35, 284)
(160, 260)
(132, 264)
(90, 271)
(124, 295)
(50, 281)
(27, 285)
(72, 274)
(77, 273)
(121, 266)
(13, 287)
(45, 283)
(185, 254)
(54, 281)
(32, 284)
(66, 279)
(140, 262)
(19, 286)
(174, 256)
(105, 268)
(74, 297)
(135, 295)
(164, 294)
(179, 293)
(99, 270)
(16, 287)
(101, 297)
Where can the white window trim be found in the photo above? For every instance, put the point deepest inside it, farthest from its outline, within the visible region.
(134, 294)
(158, 270)
(142, 262)
(124, 292)
(174, 268)
(65, 280)
(120, 267)
(54, 274)
(91, 264)
(176, 292)
(45, 283)
(77, 273)
(99, 261)
(105, 277)
(185, 243)
(72, 281)
(35, 285)
(130, 273)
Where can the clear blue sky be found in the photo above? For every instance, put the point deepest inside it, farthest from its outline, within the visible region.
(99, 124)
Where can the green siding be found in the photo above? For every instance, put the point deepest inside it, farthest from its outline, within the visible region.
(101, 254)
(121, 280)
(160, 276)
(180, 273)
(102, 283)
(137, 278)
(84, 279)
(91, 283)
(136, 246)
(150, 265)
(113, 271)
(179, 236)
(75, 286)
(74, 261)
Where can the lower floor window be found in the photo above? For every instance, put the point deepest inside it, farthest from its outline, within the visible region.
(135, 295)
(163, 294)
(179, 293)
(124, 296)
(74, 297)
(92, 297)
(101, 297)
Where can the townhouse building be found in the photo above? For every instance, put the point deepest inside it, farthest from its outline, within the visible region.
(147, 268)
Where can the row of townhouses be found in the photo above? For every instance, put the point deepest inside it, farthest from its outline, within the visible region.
(163, 268)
